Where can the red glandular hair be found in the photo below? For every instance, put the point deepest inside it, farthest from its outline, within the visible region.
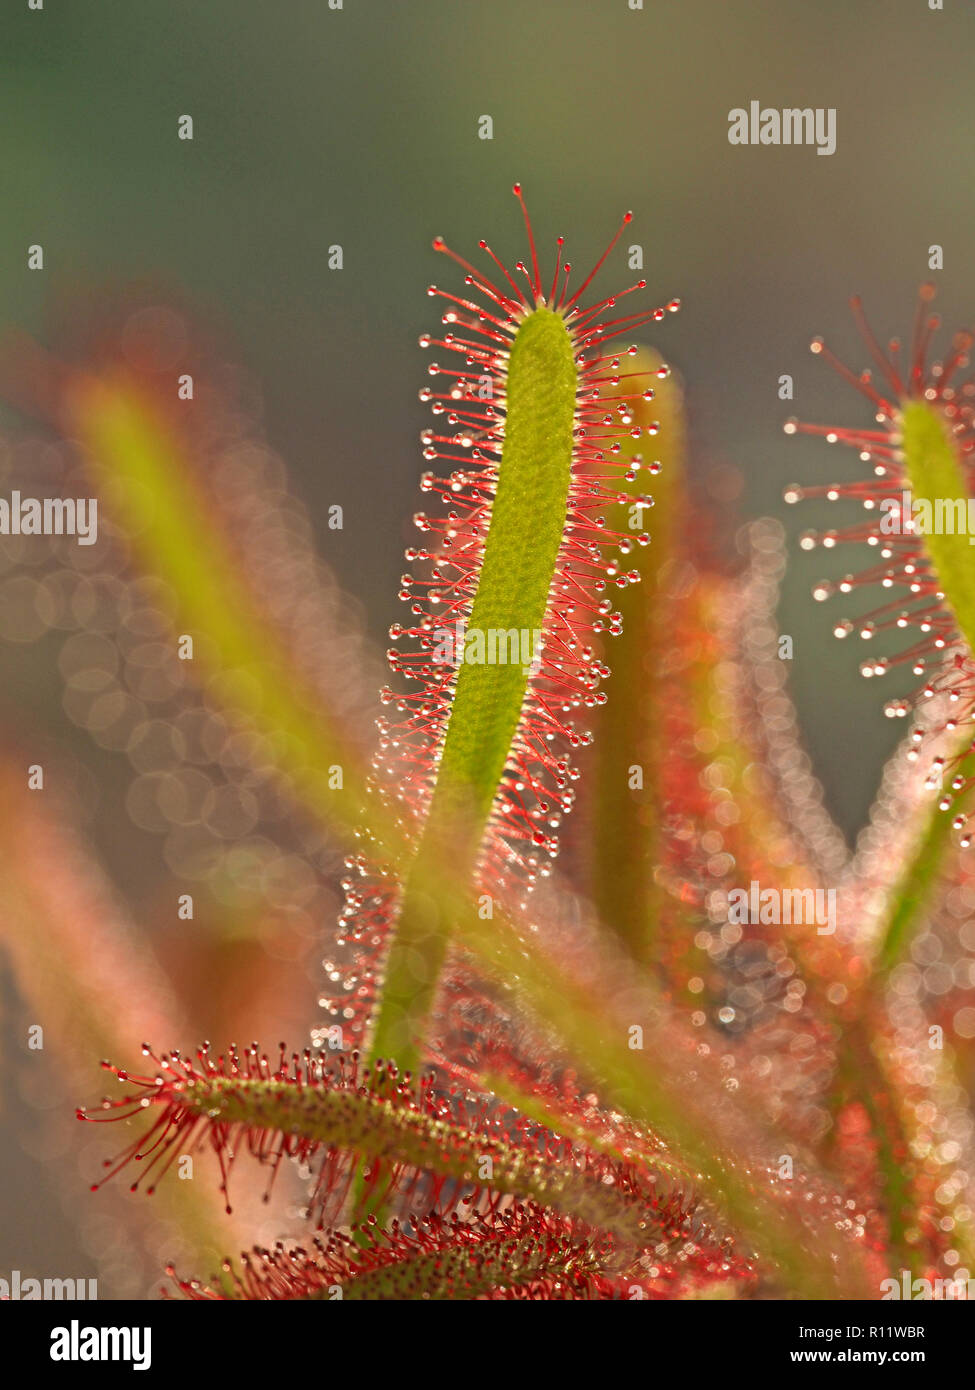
(565, 1241)
(180, 1101)
(522, 1254)
(468, 401)
(903, 570)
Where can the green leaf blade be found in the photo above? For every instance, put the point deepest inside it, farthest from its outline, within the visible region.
(525, 535)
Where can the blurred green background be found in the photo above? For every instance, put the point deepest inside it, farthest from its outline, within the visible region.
(359, 126)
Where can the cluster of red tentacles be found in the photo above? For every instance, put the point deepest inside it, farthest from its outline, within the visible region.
(190, 1095)
(468, 401)
(902, 568)
(461, 1235)
(523, 1253)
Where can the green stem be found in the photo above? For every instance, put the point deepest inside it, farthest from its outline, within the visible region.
(527, 526)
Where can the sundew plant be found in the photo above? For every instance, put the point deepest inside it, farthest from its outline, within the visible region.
(609, 1010)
